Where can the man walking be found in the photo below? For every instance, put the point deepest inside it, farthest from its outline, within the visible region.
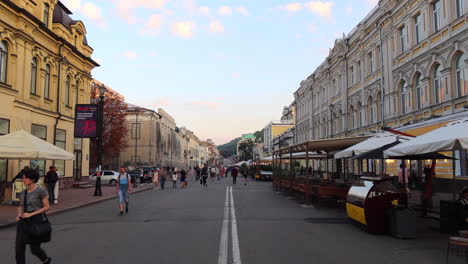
(204, 174)
(162, 177)
(50, 179)
(234, 173)
(123, 189)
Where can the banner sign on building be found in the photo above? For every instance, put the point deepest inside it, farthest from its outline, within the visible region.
(86, 116)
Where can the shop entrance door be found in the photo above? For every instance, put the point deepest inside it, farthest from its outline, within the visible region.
(77, 166)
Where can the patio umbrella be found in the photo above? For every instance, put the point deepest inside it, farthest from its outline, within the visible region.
(453, 136)
(23, 146)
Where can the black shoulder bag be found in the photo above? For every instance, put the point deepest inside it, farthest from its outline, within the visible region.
(37, 228)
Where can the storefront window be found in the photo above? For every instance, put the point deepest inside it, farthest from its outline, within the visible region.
(40, 132)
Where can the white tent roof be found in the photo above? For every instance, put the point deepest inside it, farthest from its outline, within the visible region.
(377, 141)
(22, 145)
(453, 136)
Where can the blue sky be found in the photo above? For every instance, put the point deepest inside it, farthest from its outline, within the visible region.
(220, 68)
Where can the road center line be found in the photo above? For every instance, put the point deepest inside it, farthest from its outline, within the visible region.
(223, 243)
(235, 239)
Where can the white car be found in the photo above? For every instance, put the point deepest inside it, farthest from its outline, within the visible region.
(107, 177)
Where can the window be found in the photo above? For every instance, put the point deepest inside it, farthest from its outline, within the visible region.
(136, 130)
(417, 28)
(40, 132)
(461, 75)
(61, 142)
(460, 8)
(361, 115)
(351, 71)
(338, 84)
(47, 82)
(371, 62)
(371, 105)
(352, 118)
(77, 91)
(402, 38)
(33, 76)
(438, 92)
(46, 15)
(436, 13)
(358, 70)
(4, 129)
(76, 40)
(419, 91)
(403, 97)
(3, 61)
(67, 91)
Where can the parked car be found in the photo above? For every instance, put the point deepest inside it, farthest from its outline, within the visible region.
(264, 175)
(107, 177)
(134, 174)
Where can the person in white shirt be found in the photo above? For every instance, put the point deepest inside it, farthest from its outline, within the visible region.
(57, 186)
(174, 179)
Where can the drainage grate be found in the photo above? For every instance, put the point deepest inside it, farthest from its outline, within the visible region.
(327, 220)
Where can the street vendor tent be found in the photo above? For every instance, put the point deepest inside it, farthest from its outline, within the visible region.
(23, 146)
(453, 136)
(375, 142)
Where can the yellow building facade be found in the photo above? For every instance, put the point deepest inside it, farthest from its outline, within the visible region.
(45, 69)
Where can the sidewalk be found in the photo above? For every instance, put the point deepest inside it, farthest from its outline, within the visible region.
(68, 199)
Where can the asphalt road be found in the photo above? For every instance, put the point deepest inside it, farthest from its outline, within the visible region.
(204, 225)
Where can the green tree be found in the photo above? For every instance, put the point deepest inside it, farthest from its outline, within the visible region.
(258, 136)
(246, 150)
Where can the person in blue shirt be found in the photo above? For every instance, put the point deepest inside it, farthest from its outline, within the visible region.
(123, 189)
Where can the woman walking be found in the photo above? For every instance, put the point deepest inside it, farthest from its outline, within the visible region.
(34, 203)
(183, 178)
(155, 179)
(174, 179)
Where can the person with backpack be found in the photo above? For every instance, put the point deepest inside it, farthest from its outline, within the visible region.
(50, 179)
(123, 189)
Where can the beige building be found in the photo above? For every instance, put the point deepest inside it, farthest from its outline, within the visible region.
(403, 66)
(142, 138)
(45, 69)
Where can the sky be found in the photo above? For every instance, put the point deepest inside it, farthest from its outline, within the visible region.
(221, 68)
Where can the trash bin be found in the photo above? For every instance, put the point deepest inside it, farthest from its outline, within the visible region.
(448, 216)
(402, 223)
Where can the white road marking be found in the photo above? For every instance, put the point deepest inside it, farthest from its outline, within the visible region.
(235, 239)
(223, 243)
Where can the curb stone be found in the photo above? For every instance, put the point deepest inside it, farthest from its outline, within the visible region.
(5, 226)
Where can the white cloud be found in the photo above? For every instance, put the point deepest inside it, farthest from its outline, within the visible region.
(130, 55)
(216, 27)
(125, 7)
(99, 61)
(243, 10)
(320, 8)
(293, 7)
(204, 10)
(349, 10)
(73, 5)
(190, 6)
(93, 12)
(153, 26)
(183, 29)
(225, 10)
(372, 3)
(312, 27)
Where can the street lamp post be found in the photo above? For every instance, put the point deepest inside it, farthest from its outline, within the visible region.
(102, 92)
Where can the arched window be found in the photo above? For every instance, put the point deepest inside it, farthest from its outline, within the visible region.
(461, 75)
(371, 113)
(47, 82)
(378, 107)
(34, 76)
(67, 91)
(438, 91)
(360, 113)
(324, 128)
(419, 91)
(403, 97)
(3, 61)
(342, 121)
(77, 89)
(352, 117)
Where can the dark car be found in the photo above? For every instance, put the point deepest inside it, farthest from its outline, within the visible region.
(134, 174)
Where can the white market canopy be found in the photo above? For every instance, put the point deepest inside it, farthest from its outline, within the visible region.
(23, 146)
(377, 141)
(453, 136)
